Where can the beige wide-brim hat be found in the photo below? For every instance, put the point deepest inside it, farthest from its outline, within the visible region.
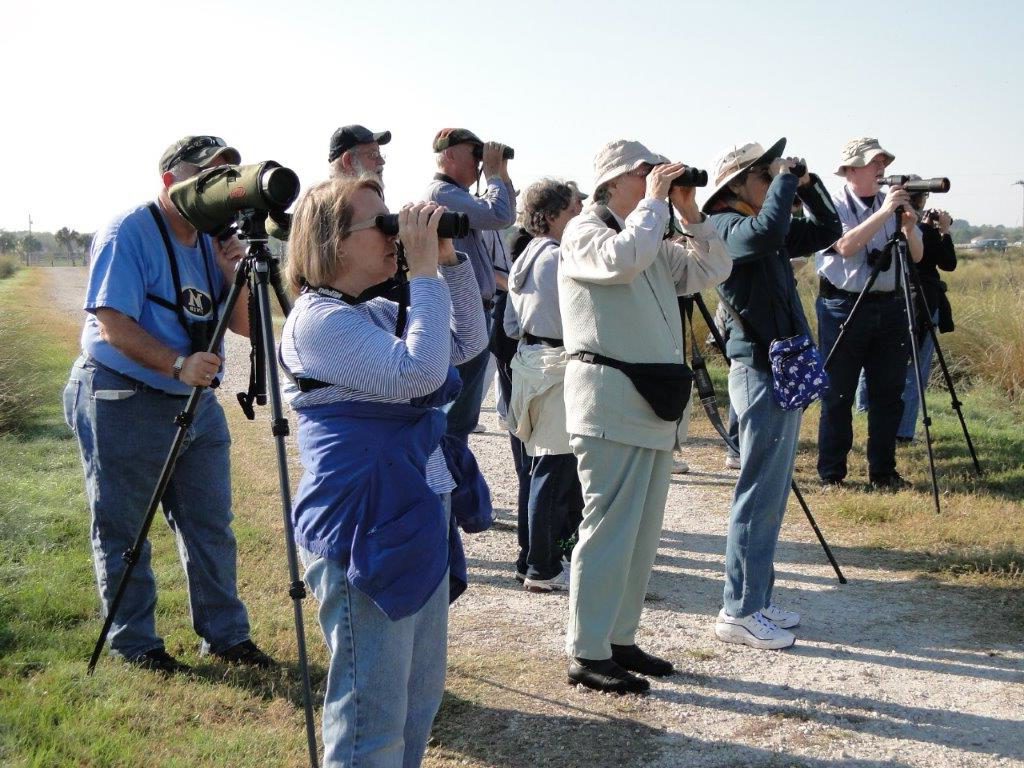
(622, 156)
(736, 160)
(859, 152)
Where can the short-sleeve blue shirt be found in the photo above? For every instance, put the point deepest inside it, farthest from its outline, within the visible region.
(129, 262)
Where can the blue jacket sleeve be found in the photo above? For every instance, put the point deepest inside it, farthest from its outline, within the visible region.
(492, 210)
(750, 238)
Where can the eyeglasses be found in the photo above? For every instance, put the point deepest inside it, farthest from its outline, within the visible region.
(197, 142)
(375, 156)
(367, 224)
(758, 172)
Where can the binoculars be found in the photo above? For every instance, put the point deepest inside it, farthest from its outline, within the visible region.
(691, 177)
(507, 153)
(452, 224)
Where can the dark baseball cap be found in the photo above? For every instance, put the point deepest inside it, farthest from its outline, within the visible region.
(449, 137)
(197, 150)
(348, 136)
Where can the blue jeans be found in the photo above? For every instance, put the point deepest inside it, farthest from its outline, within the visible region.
(124, 434)
(523, 463)
(385, 679)
(554, 491)
(876, 341)
(768, 443)
(911, 397)
(464, 414)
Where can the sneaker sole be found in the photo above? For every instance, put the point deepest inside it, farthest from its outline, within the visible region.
(542, 588)
(732, 633)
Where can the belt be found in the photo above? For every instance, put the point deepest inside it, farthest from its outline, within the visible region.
(529, 338)
(134, 382)
(828, 291)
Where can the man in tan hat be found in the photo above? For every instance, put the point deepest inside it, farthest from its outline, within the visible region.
(619, 280)
(876, 340)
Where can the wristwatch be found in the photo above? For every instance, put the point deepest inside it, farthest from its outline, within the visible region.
(179, 363)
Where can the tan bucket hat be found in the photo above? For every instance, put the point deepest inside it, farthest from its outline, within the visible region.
(622, 156)
(737, 159)
(859, 152)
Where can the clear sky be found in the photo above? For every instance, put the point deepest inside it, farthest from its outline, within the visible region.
(94, 92)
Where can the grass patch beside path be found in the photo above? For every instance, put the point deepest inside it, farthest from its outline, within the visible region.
(51, 713)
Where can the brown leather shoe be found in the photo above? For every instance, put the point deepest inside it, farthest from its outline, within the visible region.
(606, 676)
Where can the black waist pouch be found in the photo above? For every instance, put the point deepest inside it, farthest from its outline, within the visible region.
(665, 386)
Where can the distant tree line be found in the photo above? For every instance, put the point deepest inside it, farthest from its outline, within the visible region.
(33, 247)
(963, 232)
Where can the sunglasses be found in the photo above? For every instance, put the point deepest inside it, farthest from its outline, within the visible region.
(197, 143)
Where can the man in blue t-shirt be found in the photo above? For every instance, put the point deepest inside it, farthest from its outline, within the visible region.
(156, 286)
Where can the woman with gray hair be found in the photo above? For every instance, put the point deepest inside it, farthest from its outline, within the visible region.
(537, 407)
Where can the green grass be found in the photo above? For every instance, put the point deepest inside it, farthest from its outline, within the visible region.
(51, 712)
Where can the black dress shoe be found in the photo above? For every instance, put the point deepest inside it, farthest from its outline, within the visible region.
(248, 654)
(631, 658)
(159, 660)
(605, 675)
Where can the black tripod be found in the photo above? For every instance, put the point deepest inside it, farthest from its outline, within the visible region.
(258, 270)
(896, 251)
(706, 391)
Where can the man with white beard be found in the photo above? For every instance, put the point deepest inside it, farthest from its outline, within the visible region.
(355, 151)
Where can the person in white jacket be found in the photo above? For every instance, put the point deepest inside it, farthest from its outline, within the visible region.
(618, 283)
(537, 407)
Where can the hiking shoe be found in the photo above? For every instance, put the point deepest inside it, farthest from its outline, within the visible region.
(732, 462)
(605, 676)
(632, 659)
(891, 482)
(753, 630)
(247, 654)
(159, 660)
(832, 484)
(679, 467)
(780, 617)
(555, 583)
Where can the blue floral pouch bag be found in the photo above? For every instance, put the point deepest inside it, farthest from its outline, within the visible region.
(798, 372)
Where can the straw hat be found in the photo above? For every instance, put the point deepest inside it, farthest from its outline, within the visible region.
(738, 159)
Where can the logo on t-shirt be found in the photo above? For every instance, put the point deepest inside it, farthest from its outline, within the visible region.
(196, 302)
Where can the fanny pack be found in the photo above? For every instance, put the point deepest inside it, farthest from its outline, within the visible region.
(665, 386)
(798, 372)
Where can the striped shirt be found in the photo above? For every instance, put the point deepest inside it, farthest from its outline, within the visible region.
(354, 347)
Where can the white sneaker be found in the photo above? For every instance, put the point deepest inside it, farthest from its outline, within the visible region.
(555, 583)
(753, 630)
(780, 617)
(479, 428)
(732, 462)
(502, 424)
(679, 467)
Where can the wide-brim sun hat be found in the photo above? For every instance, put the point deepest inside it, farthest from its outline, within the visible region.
(859, 152)
(622, 156)
(737, 159)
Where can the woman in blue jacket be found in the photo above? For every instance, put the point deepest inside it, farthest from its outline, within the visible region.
(372, 510)
(751, 208)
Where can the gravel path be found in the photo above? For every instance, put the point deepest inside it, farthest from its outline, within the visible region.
(893, 669)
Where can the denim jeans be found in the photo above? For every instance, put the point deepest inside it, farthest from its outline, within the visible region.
(124, 434)
(523, 463)
(768, 443)
(385, 679)
(554, 491)
(911, 397)
(876, 341)
(464, 414)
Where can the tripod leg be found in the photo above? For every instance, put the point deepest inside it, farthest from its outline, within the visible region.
(279, 428)
(954, 400)
(903, 261)
(183, 420)
(707, 398)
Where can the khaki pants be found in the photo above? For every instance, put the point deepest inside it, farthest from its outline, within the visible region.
(624, 489)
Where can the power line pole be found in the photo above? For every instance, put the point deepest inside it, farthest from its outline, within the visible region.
(1021, 183)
